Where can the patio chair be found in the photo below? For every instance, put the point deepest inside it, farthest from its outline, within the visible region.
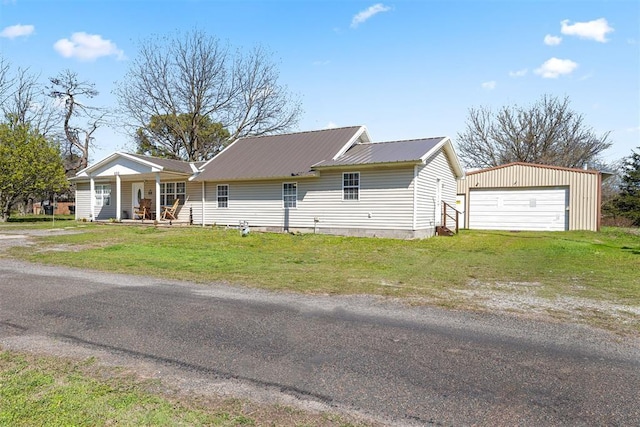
(144, 210)
(169, 212)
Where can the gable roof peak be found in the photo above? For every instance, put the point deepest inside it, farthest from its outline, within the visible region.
(301, 133)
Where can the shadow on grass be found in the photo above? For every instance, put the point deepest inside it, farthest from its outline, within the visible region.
(635, 251)
(39, 218)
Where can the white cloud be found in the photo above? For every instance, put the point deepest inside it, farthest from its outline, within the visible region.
(14, 31)
(594, 30)
(550, 40)
(554, 67)
(87, 47)
(321, 63)
(331, 125)
(489, 85)
(366, 14)
(518, 73)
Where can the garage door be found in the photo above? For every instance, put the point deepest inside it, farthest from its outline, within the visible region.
(543, 209)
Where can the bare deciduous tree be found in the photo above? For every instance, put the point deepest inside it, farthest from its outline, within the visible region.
(195, 76)
(22, 101)
(68, 89)
(547, 132)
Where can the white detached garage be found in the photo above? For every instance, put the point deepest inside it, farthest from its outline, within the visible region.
(526, 196)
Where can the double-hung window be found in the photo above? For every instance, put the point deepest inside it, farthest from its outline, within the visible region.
(170, 191)
(351, 186)
(290, 194)
(103, 195)
(222, 193)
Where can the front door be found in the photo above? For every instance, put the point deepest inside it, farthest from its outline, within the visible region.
(137, 194)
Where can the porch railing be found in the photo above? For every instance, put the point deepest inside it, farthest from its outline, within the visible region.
(450, 217)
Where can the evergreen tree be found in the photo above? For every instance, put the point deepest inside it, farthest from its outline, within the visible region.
(628, 202)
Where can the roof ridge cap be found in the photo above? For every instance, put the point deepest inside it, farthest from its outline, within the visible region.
(410, 140)
(302, 132)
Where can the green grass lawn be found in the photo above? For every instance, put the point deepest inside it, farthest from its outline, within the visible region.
(602, 266)
(51, 391)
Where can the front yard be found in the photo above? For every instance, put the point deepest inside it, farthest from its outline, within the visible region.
(580, 276)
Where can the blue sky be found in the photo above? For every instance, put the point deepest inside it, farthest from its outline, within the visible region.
(405, 69)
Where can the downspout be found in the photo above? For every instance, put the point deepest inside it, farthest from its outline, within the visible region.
(118, 193)
(202, 211)
(415, 197)
(92, 189)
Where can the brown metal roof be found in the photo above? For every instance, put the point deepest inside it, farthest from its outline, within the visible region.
(168, 165)
(277, 156)
(384, 152)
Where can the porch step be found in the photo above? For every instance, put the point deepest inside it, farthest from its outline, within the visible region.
(441, 230)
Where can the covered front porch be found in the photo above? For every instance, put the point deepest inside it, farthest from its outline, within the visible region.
(126, 187)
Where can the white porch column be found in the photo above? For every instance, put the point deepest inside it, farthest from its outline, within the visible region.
(118, 196)
(158, 211)
(92, 189)
(203, 200)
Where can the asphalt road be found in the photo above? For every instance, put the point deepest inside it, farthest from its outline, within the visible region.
(403, 365)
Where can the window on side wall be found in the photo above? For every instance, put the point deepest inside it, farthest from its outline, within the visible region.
(290, 194)
(170, 191)
(103, 195)
(222, 193)
(351, 186)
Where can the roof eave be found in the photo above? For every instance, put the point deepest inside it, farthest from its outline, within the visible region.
(196, 178)
(536, 165)
(369, 165)
(86, 172)
(446, 145)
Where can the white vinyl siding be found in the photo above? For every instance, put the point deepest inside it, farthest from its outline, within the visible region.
(83, 201)
(535, 209)
(385, 202)
(437, 167)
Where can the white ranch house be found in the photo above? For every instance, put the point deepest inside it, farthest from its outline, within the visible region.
(333, 181)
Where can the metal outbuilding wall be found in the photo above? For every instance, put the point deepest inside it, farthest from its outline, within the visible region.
(584, 188)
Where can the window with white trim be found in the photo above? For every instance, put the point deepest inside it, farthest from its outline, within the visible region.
(222, 193)
(351, 186)
(170, 191)
(103, 194)
(290, 194)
